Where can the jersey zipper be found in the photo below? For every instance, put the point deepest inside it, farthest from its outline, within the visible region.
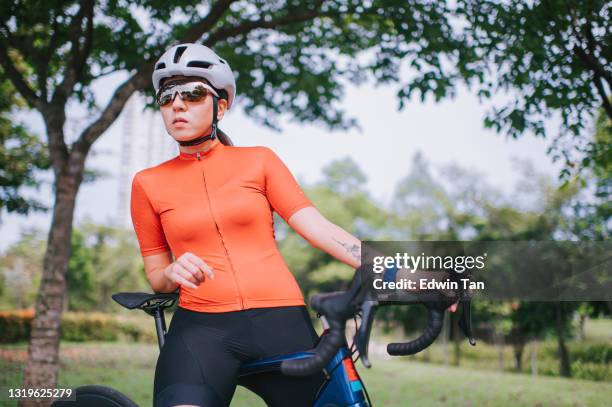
(221, 237)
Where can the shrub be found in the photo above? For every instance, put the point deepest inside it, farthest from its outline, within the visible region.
(591, 371)
(77, 327)
(591, 353)
(15, 325)
(82, 327)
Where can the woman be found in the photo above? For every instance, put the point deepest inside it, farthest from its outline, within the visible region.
(204, 224)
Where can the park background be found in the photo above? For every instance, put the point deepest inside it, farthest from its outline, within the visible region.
(435, 169)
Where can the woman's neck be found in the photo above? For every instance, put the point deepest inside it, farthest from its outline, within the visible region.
(202, 148)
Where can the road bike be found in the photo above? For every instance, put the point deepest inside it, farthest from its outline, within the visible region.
(342, 386)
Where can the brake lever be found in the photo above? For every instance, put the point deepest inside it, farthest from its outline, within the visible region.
(465, 321)
(362, 337)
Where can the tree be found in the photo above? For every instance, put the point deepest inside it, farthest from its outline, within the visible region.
(80, 275)
(420, 203)
(21, 155)
(550, 56)
(292, 57)
(116, 263)
(20, 270)
(592, 217)
(342, 198)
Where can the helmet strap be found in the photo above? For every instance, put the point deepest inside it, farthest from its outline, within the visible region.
(213, 133)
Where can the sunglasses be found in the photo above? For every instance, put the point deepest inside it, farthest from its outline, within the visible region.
(189, 92)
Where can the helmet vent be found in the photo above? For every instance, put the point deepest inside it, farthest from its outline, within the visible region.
(222, 61)
(199, 64)
(161, 65)
(179, 53)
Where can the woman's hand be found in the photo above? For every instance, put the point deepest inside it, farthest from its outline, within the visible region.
(428, 275)
(188, 270)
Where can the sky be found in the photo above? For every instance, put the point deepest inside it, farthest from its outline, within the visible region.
(450, 132)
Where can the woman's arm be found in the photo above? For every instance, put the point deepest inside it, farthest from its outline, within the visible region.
(331, 238)
(327, 236)
(154, 266)
(165, 276)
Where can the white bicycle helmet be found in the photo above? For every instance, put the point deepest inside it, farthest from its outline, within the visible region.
(196, 60)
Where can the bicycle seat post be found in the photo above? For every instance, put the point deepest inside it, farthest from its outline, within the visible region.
(160, 325)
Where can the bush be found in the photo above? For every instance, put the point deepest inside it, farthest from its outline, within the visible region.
(15, 325)
(133, 332)
(591, 353)
(77, 327)
(591, 371)
(82, 327)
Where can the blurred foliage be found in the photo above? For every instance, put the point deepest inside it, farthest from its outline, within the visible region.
(430, 203)
(20, 270)
(295, 56)
(550, 57)
(76, 327)
(104, 260)
(22, 154)
(342, 197)
(116, 263)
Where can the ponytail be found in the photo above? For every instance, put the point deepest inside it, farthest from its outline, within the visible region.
(224, 138)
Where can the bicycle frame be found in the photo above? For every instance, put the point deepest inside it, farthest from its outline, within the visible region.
(343, 387)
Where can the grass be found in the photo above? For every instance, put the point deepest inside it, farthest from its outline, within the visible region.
(491, 357)
(598, 329)
(393, 382)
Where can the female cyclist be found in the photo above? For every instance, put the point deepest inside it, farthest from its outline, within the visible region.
(204, 225)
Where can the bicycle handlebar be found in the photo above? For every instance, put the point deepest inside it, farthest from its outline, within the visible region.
(338, 307)
(433, 329)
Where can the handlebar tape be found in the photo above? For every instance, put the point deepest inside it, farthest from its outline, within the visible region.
(433, 329)
(324, 352)
(337, 308)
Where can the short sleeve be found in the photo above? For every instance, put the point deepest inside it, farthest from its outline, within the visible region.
(282, 190)
(147, 224)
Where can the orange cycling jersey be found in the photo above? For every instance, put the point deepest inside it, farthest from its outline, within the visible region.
(218, 205)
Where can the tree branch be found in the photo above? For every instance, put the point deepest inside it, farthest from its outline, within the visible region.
(17, 79)
(248, 26)
(88, 41)
(589, 61)
(45, 58)
(140, 80)
(207, 23)
(112, 110)
(74, 68)
(597, 77)
(591, 47)
(605, 101)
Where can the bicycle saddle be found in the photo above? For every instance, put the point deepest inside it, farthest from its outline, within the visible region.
(145, 301)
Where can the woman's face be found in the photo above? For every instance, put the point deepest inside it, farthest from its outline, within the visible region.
(186, 120)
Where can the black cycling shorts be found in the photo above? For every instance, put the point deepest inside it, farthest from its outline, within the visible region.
(201, 358)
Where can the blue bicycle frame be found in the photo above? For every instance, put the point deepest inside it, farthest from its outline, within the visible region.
(343, 387)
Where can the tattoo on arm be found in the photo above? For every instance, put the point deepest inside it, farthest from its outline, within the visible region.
(353, 249)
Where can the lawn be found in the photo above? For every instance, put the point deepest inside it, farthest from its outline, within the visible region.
(394, 382)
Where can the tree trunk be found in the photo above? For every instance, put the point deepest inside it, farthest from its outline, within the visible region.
(565, 368)
(499, 342)
(581, 324)
(104, 302)
(426, 355)
(518, 347)
(43, 351)
(445, 338)
(456, 342)
(534, 358)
